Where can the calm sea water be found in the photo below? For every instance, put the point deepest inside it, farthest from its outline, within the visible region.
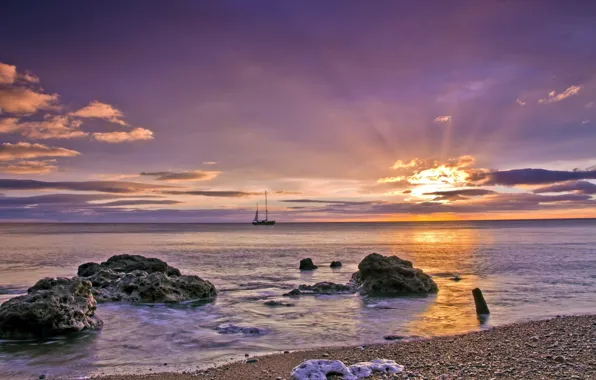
(527, 270)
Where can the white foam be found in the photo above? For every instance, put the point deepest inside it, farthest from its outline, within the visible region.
(319, 369)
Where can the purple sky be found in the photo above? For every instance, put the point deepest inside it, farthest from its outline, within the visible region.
(380, 110)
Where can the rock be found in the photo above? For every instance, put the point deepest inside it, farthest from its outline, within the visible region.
(391, 275)
(293, 293)
(53, 306)
(455, 278)
(228, 328)
(278, 303)
(325, 288)
(335, 264)
(560, 359)
(307, 264)
(142, 287)
(42, 376)
(128, 263)
(252, 360)
(88, 269)
(318, 369)
(394, 337)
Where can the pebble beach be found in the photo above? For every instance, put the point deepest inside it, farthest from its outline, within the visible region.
(557, 348)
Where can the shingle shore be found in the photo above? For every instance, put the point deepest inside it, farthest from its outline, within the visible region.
(558, 348)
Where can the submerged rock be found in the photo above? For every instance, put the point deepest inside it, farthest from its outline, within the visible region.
(326, 287)
(278, 303)
(391, 275)
(335, 264)
(53, 306)
(142, 287)
(128, 263)
(319, 369)
(228, 328)
(292, 293)
(307, 264)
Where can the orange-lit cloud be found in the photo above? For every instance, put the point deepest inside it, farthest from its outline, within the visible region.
(28, 167)
(186, 176)
(100, 110)
(553, 97)
(24, 150)
(137, 134)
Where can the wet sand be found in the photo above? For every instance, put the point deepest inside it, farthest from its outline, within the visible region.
(558, 348)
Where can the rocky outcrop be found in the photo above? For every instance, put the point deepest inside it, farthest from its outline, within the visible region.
(53, 306)
(307, 264)
(143, 287)
(388, 275)
(127, 264)
(335, 264)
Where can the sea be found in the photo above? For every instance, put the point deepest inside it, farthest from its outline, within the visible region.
(526, 270)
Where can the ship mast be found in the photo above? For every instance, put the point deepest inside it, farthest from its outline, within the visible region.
(266, 211)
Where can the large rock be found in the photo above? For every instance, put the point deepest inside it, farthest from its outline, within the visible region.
(129, 263)
(391, 275)
(142, 287)
(307, 264)
(53, 306)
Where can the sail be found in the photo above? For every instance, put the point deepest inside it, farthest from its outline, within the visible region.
(256, 219)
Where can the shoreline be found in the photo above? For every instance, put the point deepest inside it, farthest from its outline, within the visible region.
(560, 347)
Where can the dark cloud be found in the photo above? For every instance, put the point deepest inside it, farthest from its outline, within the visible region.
(139, 202)
(407, 191)
(460, 194)
(196, 175)
(581, 187)
(528, 177)
(213, 193)
(330, 201)
(99, 186)
(63, 199)
(284, 192)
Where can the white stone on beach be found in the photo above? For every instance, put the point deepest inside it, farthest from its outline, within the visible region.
(319, 369)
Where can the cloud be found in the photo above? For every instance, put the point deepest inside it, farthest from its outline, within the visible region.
(210, 163)
(527, 177)
(100, 110)
(20, 100)
(118, 187)
(213, 193)
(136, 134)
(520, 102)
(24, 150)
(138, 202)
(9, 125)
(580, 187)
(332, 202)
(29, 167)
(442, 119)
(426, 172)
(461, 192)
(195, 175)
(8, 73)
(284, 192)
(52, 127)
(553, 97)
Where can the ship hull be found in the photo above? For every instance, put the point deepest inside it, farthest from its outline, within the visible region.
(263, 223)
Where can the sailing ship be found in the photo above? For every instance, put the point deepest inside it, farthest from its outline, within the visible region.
(263, 222)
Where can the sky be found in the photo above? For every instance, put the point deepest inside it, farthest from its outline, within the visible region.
(187, 111)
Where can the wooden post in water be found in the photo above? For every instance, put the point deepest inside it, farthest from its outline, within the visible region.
(481, 306)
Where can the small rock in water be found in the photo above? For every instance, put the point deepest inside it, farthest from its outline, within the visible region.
(293, 293)
(307, 264)
(286, 352)
(42, 376)
(394, 337)
(228, 328)
(335, 264)
(252, 360)
(165, 363)
(455, 278)
(246, 355)
(273, 303)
